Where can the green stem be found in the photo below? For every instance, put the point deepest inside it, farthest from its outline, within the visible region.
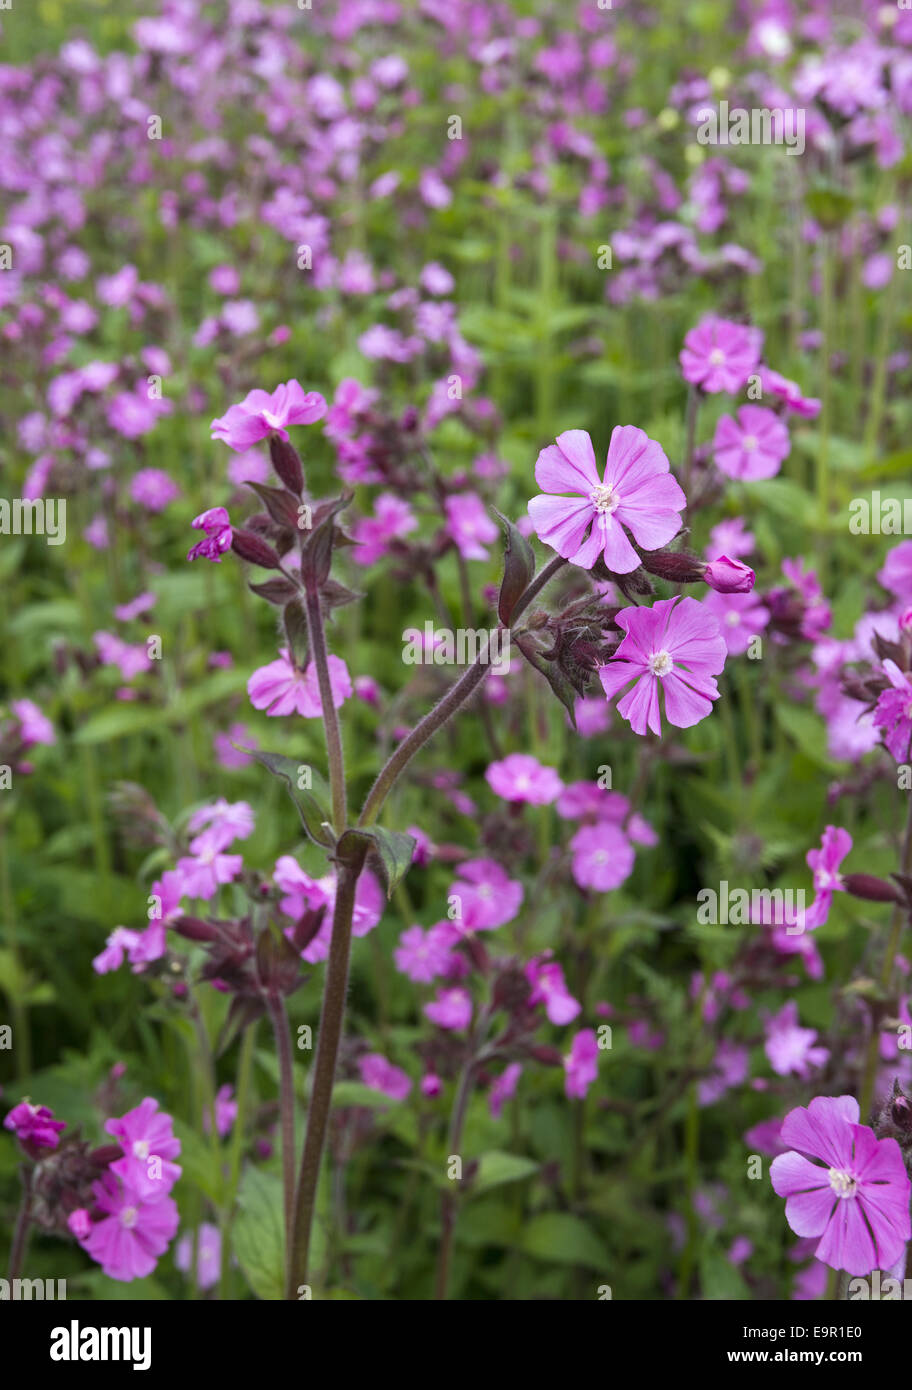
(279, 1020)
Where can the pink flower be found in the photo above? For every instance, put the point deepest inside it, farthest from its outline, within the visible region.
(34, 727)
(393, 518)
(119, 942)
(425, 955)
(217, 528)
(581, 1064)
(729, 1068)
(132, 1233)
(675, 643)
(226, 753)
(451, 1009)
(719, 355)
(789, 1047)
(487, 897)
(825, 862)
(727, 576)
(222, 822)
(602, 856)
(204, 873)
(546, 979)
(153, 489)
(729, 538)
(896, 574)
(788, 391)
(381, 1075)
(753, 446)
(260, 414)
(740, 616)
(283, 688)
(34, 1126)
(149, 1144)
(637, 492)
(857, 1199)
(503, 1089)
(893, 712)
(469, 525)
(208, 1255)
(520, 777)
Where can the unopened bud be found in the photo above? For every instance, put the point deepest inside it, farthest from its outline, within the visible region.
(251, 548)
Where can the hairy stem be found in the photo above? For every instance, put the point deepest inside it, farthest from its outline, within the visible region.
(320, 657)
(279, 1019)
(330, 1033)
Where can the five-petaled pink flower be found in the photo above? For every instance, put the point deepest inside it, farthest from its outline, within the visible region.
(676, 644)
(260, 414)
(824, 862)
(751, 446)
(283, 688)
(636, 492)
(719, 355)
(520, 777)
(857, 1203)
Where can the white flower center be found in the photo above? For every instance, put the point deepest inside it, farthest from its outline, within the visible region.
(604, 498)
(141, 1148)
(842, 1183)
(732, 619)
(128, 1217)
(717, 357)
(749, 443)
(272, 421)
(660, 663)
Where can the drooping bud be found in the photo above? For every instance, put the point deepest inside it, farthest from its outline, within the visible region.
(287, 464)
(678, 566)
(256, 551)
(872, 889)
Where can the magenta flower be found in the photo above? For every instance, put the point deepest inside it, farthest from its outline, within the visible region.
(451, 1009)
(893, 712)
(751, 446)
(153, 489)
(34, 726)
(729, 538)
(602, 856)
(283, 688)
(392, 519)
(221, 823)
(503, 1089)
(149, 1145)
(790, 1048)
(896, 574)
(546, 979)
(260, 414)
(132, 1233)
(520, 777)
(204, 873)
(581, 1064)
(727, 576)
(825, 862)
(857, 1202)
(426, 955)
(741, 617)
(217, 527)
(34, 1126)
(486, 897)
(381, 1075)
(719, 355)
(729, 1068)
(469, 525)
(676, 643)
(208, 1256)
(637, 492)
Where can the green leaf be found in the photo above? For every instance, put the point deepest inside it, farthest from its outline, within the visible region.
(495, 1168)
(312, 804)
(563, 1239)
(258, 1235)
(394, 849)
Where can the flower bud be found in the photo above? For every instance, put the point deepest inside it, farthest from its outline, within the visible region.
(875, 890)
(251, 548)
(287, 464)
(729, 576)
